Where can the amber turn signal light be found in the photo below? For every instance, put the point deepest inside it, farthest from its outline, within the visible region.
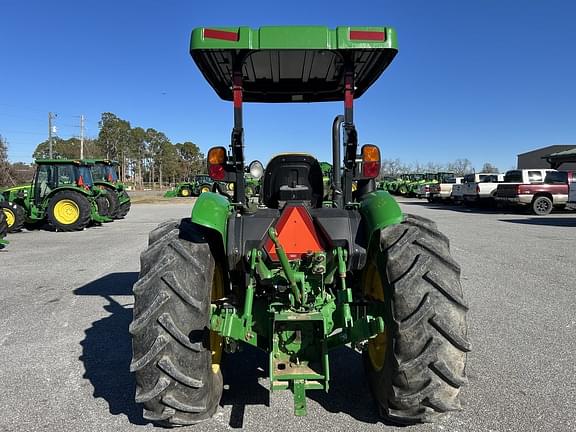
(216, 155)
(370, 161)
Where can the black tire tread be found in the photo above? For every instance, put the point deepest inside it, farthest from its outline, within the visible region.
(113, 202)
(19, 215)
(171, 356)
(3, 226)
(425, 367)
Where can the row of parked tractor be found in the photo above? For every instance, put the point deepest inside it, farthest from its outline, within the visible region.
(66, 195)
(539, 190)
(201, 183)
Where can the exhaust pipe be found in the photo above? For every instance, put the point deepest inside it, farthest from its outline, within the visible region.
(336, 160)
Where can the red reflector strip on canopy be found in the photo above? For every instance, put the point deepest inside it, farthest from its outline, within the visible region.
(221, 35)
(367, 35)
(296, 234)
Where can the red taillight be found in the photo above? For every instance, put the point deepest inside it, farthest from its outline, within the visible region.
(296, 234)
(221, 35)
(216, 172)
(367, 35)
(477, 189)
(371, 169)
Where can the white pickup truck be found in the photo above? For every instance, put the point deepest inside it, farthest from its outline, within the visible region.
(443, 190)
(480, 187)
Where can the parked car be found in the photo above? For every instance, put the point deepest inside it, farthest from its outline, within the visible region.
(480, 187)
(541, 190)
(443, 190)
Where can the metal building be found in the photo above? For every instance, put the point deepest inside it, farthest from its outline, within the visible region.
(537, 158)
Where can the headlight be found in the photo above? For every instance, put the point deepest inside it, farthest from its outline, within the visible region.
(256, 169)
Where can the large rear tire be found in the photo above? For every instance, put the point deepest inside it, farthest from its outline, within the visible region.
(15, 215)
(123, 210)
(113, 203)
(416, 368)
(3, 226)
(69, 211)
(103, 206)
(175, 357)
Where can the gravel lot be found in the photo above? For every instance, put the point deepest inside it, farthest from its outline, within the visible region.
(65, 349)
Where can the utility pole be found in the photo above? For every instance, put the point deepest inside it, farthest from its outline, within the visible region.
(82, 136)
(50, 118)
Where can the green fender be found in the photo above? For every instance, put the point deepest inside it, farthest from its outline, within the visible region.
(379, 209)
(211, 211)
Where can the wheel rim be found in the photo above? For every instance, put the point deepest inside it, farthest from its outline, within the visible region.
(374, 289)
(205, 189)
(66, 212)
(10, 217)
(185, 192)
(215, 338)
(542, 206)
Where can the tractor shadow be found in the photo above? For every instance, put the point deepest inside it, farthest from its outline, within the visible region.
(242, 385)
(107, 352)
(349, 390)
(107, 347)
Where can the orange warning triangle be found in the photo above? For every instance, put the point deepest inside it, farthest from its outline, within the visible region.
(296, 234)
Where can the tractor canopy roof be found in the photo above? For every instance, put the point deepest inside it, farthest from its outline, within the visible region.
(292, 63)
(62, 162)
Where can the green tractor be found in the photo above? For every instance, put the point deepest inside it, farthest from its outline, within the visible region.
(14, 215)
(415, 181)
(63, 194)
(105, 176)
(199, 184)
(298, 277)
(385, 182)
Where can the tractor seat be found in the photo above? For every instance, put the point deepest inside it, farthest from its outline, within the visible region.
(293, 178)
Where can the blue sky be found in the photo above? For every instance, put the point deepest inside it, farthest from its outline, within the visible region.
(477, 79)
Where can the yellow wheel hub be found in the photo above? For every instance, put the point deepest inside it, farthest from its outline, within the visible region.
(374, 288)
(185, 192)
(205, 189)
(10, 217)
(66, 212)
(215, 338)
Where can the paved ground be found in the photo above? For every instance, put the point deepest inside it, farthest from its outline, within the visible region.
(65, 349)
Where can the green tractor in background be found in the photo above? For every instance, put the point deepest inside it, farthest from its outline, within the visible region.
(385, 182)
(326, 177)
(199, 184)
(415, 181)
(62, 193)
(14, 214)
(298, 277)
(105, 176)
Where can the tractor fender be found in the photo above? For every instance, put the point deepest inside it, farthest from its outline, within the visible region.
(80, 190)
(211, 211)
(379, 210)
